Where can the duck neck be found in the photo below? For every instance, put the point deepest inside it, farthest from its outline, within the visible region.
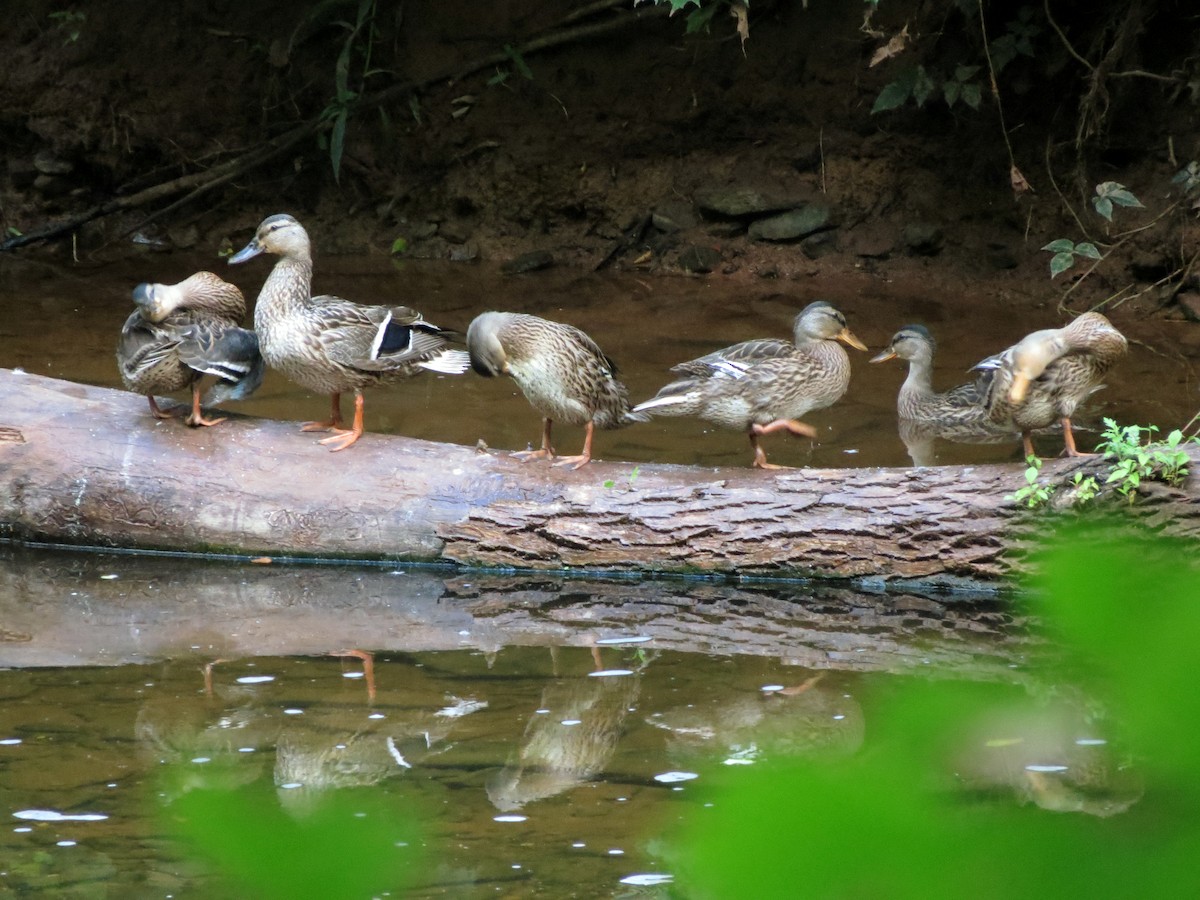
(286, 290)
(918, 386)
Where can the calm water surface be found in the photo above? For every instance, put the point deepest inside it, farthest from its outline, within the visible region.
(535, 721)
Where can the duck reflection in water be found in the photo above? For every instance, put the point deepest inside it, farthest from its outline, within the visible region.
(812, 718)
(571, 742)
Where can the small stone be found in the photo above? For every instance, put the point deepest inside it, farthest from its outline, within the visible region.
(49, 164)
(790, 225)
(819, 244)
(467, 251)
(674, 215)
(456, 231)
(184, 237)
(52, 186)
(740, 201)
(528, 262)
(921, 239)
(1189, 302)
(697, 258)
(871, 241)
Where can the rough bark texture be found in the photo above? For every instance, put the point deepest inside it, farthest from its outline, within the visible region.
(87, 465)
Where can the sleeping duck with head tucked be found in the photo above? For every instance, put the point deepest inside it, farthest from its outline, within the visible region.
(764, 386)
(561, 371)
(330, 345)
(1044, 377)
(181, 332)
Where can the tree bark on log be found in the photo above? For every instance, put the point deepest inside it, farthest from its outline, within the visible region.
(87, 465)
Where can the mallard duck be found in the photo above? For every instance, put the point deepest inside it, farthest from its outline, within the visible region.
(181, 332)
(561, 371)
(1047, 374)
(763, 386)
(959, 407)
(330, 345)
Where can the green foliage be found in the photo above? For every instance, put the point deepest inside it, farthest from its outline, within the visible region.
(890, 822)
(1084, 488)
(1034, 494)
(1135, 460)
(1017, 39)
(70, 23)
(701, 17)
(632, 478)
(399, 246)
(961, 86)
(1108, 193)
(913, 84)
(1065, 251)
(345, 844)
(360, 37)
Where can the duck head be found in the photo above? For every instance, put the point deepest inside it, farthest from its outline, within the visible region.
(821, 321)
(912, 342)
(488, 357)
(279, 234)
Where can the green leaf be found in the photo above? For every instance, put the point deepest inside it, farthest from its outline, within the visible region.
(1088, 249)
(1103, 206)
(892, 96)
(951, 91)
(1060, 246)
(518, 61)
(337, 141)
(1125, 198)
(399, 245)
(923, 86)
(965, 73)
(1060, 262)
(972, 95)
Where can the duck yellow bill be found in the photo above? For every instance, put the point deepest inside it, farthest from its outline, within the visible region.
(1020, 387)
(847, 338)
(884, 356)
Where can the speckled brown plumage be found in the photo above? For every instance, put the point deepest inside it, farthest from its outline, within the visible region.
(181, 332)
(330, 345)
(1046, 375)
(766, 385)
(561, 371)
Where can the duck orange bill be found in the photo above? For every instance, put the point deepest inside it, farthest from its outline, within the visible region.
(1020, 387)
(847, 338)
(884, 355)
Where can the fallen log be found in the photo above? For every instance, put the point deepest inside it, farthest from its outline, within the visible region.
(85, 465)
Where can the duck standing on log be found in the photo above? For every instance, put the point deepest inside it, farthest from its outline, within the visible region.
(959, 414)
(330, 345)
(181, 332)
(1046, 375)
(766, 385)
(561, 371)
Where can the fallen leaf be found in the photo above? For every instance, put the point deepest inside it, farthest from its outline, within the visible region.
(1019, 184)
(738, 11)
(893, 47)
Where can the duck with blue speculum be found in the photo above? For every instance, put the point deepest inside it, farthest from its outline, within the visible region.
(330, 345)
(763, 386)
(561, 371)
(182, 332)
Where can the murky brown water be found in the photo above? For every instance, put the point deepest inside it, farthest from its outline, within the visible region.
(64, 322)
(127, 682)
